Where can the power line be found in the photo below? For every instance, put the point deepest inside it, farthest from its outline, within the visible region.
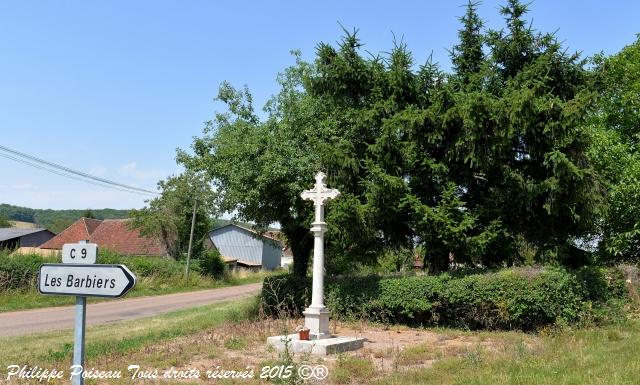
(67, 175)
(70, 173)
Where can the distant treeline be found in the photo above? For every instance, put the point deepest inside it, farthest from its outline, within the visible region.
(56, 220)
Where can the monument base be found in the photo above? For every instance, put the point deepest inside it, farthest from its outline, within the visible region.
(316, 347)
(316, 319)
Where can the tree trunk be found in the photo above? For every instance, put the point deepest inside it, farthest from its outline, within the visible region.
(438, 262)
(171, 250)
(301, 244)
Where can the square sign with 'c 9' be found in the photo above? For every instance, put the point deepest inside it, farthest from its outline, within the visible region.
(84, 253)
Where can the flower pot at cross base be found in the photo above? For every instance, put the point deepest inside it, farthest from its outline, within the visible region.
(304, 334)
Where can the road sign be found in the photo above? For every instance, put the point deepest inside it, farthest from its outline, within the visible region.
(85, 280)
(80, 276)
(84, 253)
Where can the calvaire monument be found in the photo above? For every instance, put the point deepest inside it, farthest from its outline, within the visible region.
(316, 316)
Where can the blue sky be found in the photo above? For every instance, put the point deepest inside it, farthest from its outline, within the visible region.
(114, 87)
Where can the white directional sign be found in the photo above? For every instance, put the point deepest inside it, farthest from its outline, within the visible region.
(85, 280)
(84, 253)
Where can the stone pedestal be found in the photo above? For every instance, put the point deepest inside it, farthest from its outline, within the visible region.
(316, 319)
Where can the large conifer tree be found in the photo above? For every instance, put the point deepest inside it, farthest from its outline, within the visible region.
(518, 132)
(469, 164)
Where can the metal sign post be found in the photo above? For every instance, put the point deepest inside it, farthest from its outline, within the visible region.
(78, 339)
(69, 256)
(81, 277)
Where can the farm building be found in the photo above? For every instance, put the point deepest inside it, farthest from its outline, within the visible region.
(246, 247)
(287, 254)
(109, 234)
(12, 238)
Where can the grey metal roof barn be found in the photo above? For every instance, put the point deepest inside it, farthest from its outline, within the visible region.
(12, 238)
(247, 246)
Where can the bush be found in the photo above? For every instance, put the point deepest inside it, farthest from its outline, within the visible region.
(144, 266)
(519, 298)
(17, 272)
(602, 283)
(21, 271)
(211, 263)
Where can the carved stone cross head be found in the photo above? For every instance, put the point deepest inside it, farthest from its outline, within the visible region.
(320, 193)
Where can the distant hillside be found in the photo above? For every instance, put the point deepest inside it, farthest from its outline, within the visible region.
(56, 220)
(23, 225)
(219, 222)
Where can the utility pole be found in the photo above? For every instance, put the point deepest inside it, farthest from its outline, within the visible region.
(193, 223)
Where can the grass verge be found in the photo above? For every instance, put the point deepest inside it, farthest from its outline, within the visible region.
(595, 356)
(20, 299)
(109, 341)
(228, 335)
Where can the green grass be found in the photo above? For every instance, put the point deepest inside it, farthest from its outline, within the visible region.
(594, 356)
(120, 338)
(20, 299)
(597, 356)
(348, 367)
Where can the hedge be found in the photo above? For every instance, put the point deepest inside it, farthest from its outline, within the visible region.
(21, 271)
(144, 266)
(516, 298)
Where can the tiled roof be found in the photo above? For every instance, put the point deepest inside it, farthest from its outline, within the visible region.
(91, 224)
(418, 262)
(72, 234)
(110, 234)
(117, 236)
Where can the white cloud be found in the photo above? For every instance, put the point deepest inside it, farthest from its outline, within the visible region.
(132, 170)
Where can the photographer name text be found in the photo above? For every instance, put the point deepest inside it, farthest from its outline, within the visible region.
(135, 372)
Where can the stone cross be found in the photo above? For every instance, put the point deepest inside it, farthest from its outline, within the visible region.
(319, 194)
(316, 316)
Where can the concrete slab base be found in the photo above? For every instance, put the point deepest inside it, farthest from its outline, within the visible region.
(317, 347)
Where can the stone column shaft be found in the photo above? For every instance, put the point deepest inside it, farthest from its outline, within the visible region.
(317, 293)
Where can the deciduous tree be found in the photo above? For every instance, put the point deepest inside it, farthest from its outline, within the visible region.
(615, 151)
(168, 216)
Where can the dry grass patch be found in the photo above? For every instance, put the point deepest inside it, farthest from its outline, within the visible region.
(241, 345)
(218, 338)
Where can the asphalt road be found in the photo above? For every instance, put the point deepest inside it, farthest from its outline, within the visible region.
(58, 318)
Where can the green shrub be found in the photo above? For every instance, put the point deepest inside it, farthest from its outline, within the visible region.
(20, 271)
(518, 298)
(602, 283)
(144, 266)
(211, 263)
